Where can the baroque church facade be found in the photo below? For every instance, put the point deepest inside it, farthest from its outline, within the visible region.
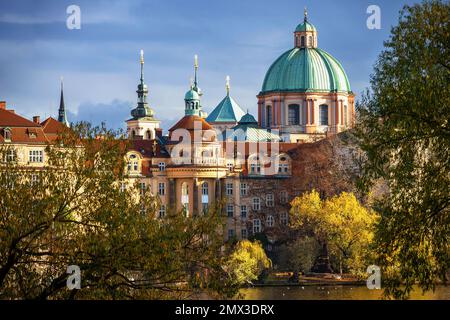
(229, 155)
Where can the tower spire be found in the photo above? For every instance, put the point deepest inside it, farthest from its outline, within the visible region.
(195, 72)
(227, 84)
(142, 66)
(62, 117)
(143, 109)
(305, 12)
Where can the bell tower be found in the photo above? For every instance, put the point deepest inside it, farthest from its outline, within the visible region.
(143, 124)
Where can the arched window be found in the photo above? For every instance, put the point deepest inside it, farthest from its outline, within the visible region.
(133, 133)
(148, 135)
(7, 134)
(323, 115)
(185, 198)
(310, 41)
(269, 116)
(302, 41)
(205, 190)
(293, 114)
(270, 221)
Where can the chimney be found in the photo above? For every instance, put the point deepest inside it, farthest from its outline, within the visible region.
(3, 105)
(37, 119)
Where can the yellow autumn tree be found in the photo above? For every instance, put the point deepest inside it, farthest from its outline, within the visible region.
(342, 227)
(247, 261)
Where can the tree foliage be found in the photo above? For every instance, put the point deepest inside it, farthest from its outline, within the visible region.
(74, 212)
(246, 262)
(341, 223)
(404, 130)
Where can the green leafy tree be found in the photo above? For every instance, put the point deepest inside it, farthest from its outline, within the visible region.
(404, 130)
(74, 212)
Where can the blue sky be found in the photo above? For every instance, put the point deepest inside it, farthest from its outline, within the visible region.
(100, 62)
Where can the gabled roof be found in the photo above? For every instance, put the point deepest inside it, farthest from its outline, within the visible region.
(9, 119)
(52, 126)
(227, 110)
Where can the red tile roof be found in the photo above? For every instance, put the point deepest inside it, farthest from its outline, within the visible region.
(9, 119)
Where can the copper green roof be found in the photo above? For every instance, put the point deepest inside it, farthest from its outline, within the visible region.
(305, 26)
(248, 119)
(191, 95)
(226, 111)
(306, 70)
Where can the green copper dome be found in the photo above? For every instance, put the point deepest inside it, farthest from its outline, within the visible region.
(306, 70)
(191, 95)
(305, 26)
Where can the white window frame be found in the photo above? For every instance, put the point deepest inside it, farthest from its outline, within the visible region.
(244, 211)
(270, 221)
(270, 202)
(230, 210)
(229, 188)
(256, 204)
(161, 188)
(256, 226)
(243, 189)
(162, 166)
(36, 156)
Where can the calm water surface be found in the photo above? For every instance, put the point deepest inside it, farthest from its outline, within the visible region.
(333, 293)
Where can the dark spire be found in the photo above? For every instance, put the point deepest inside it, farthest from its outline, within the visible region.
(62, 117)
(142, 110)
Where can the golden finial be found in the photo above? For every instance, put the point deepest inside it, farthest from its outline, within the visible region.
(142, 56)
(227, 84)
(196, 61)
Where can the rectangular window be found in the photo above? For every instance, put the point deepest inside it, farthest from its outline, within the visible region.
(230, 167)
(283, 197)
(244, 233)
(243, 211)
(36, 156)
(230, 233)
(229, 189)
(142, 187)
(161, 188)
(323, 109)
(244, 189)
(256, 204)
(230, 210)
(294, 114)
(205, 208)
(256, 226)
(284, 218)
(269, 200)
(162, 166)
(162, 211)
(9, 156)
(135, 165)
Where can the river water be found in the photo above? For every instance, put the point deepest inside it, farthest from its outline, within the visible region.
(333, 293)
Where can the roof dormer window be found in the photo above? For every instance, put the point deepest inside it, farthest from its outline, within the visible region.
(7, 134)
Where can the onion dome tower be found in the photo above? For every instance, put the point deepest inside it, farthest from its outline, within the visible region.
(143, 123)
(306, 90)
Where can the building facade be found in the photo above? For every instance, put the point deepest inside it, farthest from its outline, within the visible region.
(249, 170)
